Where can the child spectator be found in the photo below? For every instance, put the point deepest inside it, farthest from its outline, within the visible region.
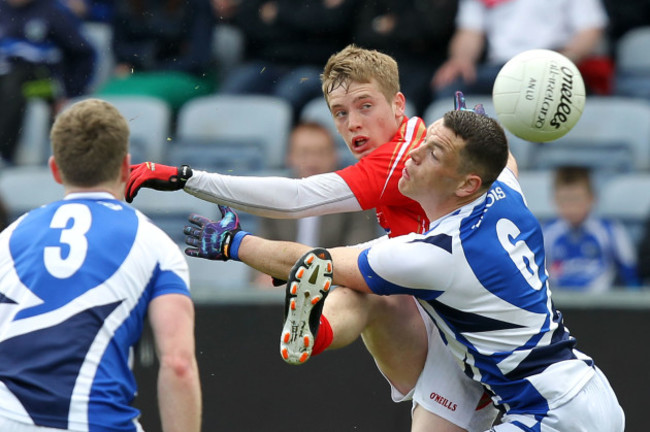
(585, 252)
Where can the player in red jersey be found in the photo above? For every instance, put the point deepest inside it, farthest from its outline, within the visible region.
(373, 180)
(362, 91)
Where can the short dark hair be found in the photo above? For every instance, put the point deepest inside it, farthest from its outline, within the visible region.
(486, 146)
(573, 175)
(312, 126)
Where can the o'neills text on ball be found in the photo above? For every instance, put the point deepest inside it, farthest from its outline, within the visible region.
(563, 109)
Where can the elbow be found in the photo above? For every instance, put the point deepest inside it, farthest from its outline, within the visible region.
(180, 364)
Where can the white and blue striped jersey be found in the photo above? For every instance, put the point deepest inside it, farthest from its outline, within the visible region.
(479, 272)
(76, 278)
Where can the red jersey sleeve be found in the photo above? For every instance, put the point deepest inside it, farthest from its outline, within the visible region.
(374, 180)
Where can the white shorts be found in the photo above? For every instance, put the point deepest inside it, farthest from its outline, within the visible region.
(444, 389)
(594, 409)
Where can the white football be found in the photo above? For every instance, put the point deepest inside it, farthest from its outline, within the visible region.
(539, 95)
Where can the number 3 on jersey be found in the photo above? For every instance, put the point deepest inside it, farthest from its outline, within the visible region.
(57, 262)
(519, 252)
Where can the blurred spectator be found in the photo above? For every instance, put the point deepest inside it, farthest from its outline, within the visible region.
(42, 54)
(625, 16)
(584, 252)
(312, 150)
(504, 28)
(644, 254)
(92, 10)
(287, 42)
(225, 10)
(416, 33)
(162, 49)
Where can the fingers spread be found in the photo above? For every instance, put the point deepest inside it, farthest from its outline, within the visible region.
(199, 220)
(192, 231)
(191, 241)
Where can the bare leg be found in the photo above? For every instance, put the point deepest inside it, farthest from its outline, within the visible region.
(391, 327)
(425, 421)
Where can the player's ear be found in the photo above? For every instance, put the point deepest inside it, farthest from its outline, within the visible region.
(125, 169)
(399, 104)
(54, 168)
(470, 185)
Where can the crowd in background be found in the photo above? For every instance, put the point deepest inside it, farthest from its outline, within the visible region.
(177, 50)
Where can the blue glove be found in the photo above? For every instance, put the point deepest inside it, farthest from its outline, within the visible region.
(214, 240)
(459, 105)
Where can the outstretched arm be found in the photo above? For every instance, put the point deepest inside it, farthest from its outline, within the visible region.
(464, 51)
(225, 240)
(274, 197)
(276, 258)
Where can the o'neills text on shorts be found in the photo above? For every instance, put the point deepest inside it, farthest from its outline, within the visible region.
(443, 401)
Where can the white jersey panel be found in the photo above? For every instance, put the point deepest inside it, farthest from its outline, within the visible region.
(276, 197)
(479, 272)
(76, 278)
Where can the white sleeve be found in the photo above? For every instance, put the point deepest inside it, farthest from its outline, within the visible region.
(508, 177)
(471, 15)
(587, 14)
(623, 246)
(276, 197)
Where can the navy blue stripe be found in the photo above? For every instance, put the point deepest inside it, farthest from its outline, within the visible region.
(5, 299)
(443, 241)
(559, 349)
(42, 374)
(465, 322)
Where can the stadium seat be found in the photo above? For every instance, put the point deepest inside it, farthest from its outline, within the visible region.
(232, 123)
(170, 210)
(149, 123)
(632, 76)
(34, 142)
(100, 35)
(626, 198)
(520, 148)
(24, 188)
(612, 136)
(229, 157)
(537, 187)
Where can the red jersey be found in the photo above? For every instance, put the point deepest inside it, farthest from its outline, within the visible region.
(373, 180)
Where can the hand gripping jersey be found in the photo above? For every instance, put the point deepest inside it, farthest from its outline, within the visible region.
(479, 272)
(76, 277)
(374, 180)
